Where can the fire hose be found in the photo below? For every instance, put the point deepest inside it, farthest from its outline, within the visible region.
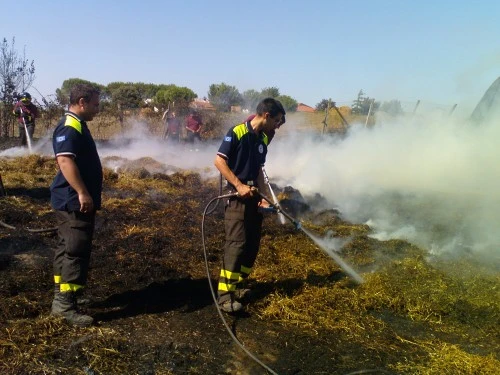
(275, 208)
(42, 230)
(28, 138)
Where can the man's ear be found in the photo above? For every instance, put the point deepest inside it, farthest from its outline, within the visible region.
(81, 102)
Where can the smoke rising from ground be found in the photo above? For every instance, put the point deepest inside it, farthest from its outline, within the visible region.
(139, 143)
(432, 181)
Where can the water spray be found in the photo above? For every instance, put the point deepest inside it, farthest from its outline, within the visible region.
(275, 206)
(320, 243)
(28, 138)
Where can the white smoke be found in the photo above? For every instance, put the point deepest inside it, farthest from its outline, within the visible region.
(139, 143)
(432, 181)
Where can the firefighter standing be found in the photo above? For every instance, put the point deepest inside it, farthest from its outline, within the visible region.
(75, 196)
(26, 113)
(239, 159)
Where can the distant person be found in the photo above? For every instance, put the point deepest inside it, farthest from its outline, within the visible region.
(193, 126)
(172, 128)
(75, 197)
(26, 113)
(240, 159)
(271, 132)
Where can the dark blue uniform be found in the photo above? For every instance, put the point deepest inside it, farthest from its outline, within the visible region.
(245, 152)
(72, 137)
(75, 229)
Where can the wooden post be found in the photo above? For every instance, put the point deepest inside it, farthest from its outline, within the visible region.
(369, 112)
(346, 124)
(327, 111)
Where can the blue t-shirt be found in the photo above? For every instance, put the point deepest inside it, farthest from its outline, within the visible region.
(72, 137)
(245, 151)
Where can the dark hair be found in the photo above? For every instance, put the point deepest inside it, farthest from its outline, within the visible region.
(270, 105)
(83, 90)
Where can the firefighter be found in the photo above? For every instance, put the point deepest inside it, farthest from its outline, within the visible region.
(75, 196)
(239, 159)
(271, 134)
(26, 113)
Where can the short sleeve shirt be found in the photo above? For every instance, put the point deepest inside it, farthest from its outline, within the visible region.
(72, 137)
(245, 151)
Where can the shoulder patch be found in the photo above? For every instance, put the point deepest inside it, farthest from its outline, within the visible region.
(228, 139)
(62, 138)
(240, 130)
(74, 123)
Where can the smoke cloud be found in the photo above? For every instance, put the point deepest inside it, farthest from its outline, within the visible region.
(432, 181)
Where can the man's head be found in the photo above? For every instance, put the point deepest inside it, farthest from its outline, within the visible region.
(84, 101)
(25, 97)
(272, 111)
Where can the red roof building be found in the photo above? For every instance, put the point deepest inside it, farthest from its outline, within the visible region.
(301, 107)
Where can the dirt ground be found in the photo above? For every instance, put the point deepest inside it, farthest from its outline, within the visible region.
(152, 304)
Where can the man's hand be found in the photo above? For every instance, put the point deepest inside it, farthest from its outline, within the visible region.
(246, 191)
(86, 202)
(264, 204)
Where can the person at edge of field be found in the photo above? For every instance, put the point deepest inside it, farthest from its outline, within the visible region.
(75, 197)
(273, 132)
(172, 128)
(193, 127)
(239, 159)
(26, 113)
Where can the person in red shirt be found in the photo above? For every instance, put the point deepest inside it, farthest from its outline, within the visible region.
(172, 128)
(26, 113)
(193, 127)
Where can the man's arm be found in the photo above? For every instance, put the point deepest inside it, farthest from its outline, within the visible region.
(243, 190)
(71, 173)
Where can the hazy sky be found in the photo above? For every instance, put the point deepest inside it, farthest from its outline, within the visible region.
(443, 52)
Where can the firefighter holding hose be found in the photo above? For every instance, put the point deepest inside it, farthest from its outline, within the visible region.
(26, 113)
(239, 159)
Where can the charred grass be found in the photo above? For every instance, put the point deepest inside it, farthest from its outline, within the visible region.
(412, 315)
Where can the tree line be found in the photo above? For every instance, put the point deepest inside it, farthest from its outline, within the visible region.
(17, 74)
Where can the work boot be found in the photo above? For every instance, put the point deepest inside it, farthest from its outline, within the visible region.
(80, 300)
(64, 304)
(230, 305)
(241, 294)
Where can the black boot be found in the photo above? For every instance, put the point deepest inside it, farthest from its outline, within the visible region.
(80, 300)
(64, 304)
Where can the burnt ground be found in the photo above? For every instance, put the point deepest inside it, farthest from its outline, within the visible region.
(152, 303)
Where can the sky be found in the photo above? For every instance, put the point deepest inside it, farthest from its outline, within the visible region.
(439, 52)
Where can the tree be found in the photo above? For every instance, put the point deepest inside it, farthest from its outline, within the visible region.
(62, 93)
(223, 96)
(250, 99)
(324, 104)
(392, 107)
(361, 105)
(126, 97)
(174, 97)
(357, 106)
(289, 103)
(270, 92)
(17, 74)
